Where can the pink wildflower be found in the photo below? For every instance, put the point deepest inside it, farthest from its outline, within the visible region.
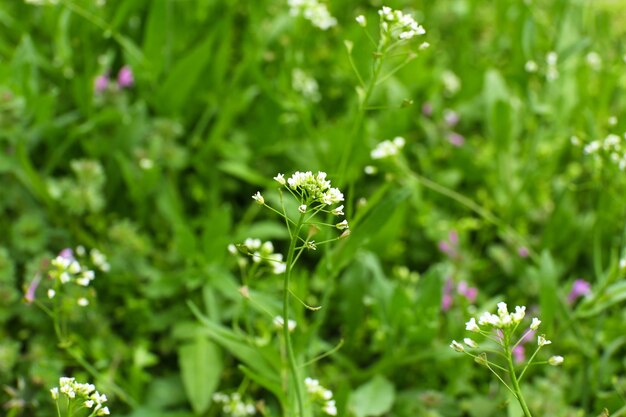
(101, 83)
(29, 297)
(519, 353)
(450, 246)
(446, 299)
(125, 77)
(580, 287)
(523, 252)
(456, 139)
(468, 292)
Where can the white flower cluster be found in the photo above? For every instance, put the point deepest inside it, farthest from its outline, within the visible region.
(233, 405)
(552, 71)
(262, 253)
(611, 146)
(499, 321)
(397, 25)
(86, 393)
(388, 148)
(312, 188)
(97, 257)
(313, 11)
(306, 85)
(322, 395)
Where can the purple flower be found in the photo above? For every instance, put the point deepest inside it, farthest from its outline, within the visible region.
(29, 297)
(125, 77)
(446, 299)
(456, 139)
(67, 253)
(468, 292)
(523, 252)
(579, 289)
(449, 247)
(529, 336)
(519, 353)
(101, 83)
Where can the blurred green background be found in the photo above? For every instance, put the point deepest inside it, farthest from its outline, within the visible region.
(499, 187)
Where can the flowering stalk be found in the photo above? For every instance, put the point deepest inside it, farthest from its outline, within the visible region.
(504, 325)
(314, 195)
(396, 29)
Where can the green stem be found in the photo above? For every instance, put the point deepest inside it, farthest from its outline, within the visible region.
(291, 359)
(515, 382)
(358, 122)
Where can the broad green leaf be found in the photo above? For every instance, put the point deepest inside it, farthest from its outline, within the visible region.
(263, 361)
(374, 398)
(200, 367)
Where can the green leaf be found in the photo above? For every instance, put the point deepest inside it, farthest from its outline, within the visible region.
(200, 366)
(374, 398)
(263, 361)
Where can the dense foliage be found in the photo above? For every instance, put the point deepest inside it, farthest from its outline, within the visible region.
(481, 161)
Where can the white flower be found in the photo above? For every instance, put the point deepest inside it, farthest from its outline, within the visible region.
(552, 58)
(387, 148)
(64, 278)
(342, 225)
(330, 408)
(534, 325)
(338, 211)
(457, 346)
(332, 196)
(258, 198)
(488, 318)
(370, 170)
(306, 85)
(74, 267)
(55, 393)
(312, 11)
(472, 326)
(302, 208)
(541, 341)
(502, 310)
(279, 322)
(311, 384)
(51, 293)
(83, 302)
(469, 342)
(361, 20)
(280, 178)
(594, 60)
(83, 281)
(555, 360)
(519, 314)
(531, 66)
(103, 412)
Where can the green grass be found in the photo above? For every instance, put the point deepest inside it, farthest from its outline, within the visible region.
(213, 116)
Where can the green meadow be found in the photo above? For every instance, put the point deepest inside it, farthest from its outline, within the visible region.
(303, 208)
